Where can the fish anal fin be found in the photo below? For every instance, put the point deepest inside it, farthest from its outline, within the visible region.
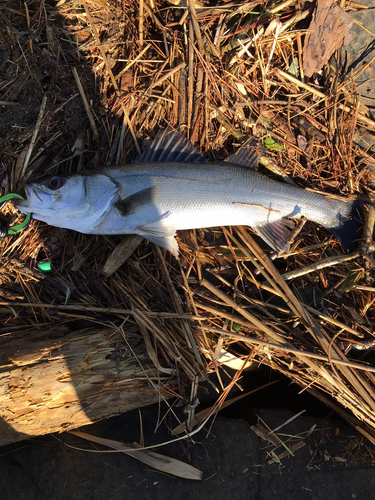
(276, 234)
(162, 233)
(137, 200)
(172, 146)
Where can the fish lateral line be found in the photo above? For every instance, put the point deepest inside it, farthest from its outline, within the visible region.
(255, 205)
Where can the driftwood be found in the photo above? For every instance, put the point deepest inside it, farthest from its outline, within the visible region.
(328, 31)
(50, 384)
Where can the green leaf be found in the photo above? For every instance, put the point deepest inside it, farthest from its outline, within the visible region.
(272, 144)
(236, 327)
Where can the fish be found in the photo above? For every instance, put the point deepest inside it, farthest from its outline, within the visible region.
(172, 186)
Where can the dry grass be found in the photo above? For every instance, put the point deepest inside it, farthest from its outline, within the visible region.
(116, 74)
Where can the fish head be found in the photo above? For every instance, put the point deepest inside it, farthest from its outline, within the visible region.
(74, 202)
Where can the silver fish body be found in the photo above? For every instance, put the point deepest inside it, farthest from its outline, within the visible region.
(206, 195)
(154, 199)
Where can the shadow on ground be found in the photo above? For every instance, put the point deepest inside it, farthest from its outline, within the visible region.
(334, 463)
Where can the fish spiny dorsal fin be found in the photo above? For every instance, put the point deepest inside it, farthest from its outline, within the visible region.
(247, 156)
(169, 146)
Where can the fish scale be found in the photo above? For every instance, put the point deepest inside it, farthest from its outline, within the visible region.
(211, 192)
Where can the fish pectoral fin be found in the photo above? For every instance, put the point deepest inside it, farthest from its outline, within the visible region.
(276, 234)
(162, 233)
(137, 200)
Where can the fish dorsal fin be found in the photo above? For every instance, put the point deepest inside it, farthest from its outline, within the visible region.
(247, 156)
(276, 234)
(162, 233)
(169, 146)
(133, 202)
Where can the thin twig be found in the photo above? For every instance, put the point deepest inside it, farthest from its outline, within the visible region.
(33, 138)
(347, 109)
(103, 310)
(85, 103)
(291, 350)
(328, 262)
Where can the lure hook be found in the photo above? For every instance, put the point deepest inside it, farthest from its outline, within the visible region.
(5, 230)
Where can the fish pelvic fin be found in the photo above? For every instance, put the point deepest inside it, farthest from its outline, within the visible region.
(276, 234)
(162, 233)
(247, 156)
(171, 146)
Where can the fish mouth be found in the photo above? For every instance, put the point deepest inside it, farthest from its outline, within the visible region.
(31, 203)
(24, 205)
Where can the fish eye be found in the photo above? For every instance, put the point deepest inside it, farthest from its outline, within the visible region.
(55, 182)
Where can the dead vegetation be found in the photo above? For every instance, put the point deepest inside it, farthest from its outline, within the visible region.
(84, 82)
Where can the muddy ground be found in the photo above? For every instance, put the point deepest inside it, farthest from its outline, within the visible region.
(334, 463)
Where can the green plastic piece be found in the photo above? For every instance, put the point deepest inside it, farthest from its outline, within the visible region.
(10, 196)
(18, 227)
(45, 267)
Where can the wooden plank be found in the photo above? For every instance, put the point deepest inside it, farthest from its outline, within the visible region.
(56, 381)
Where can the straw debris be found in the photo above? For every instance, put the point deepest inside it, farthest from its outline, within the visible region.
(103, 77)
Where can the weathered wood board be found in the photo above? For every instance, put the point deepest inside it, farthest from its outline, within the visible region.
(56, 381)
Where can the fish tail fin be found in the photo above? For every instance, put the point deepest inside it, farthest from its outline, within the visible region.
(347, 222)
